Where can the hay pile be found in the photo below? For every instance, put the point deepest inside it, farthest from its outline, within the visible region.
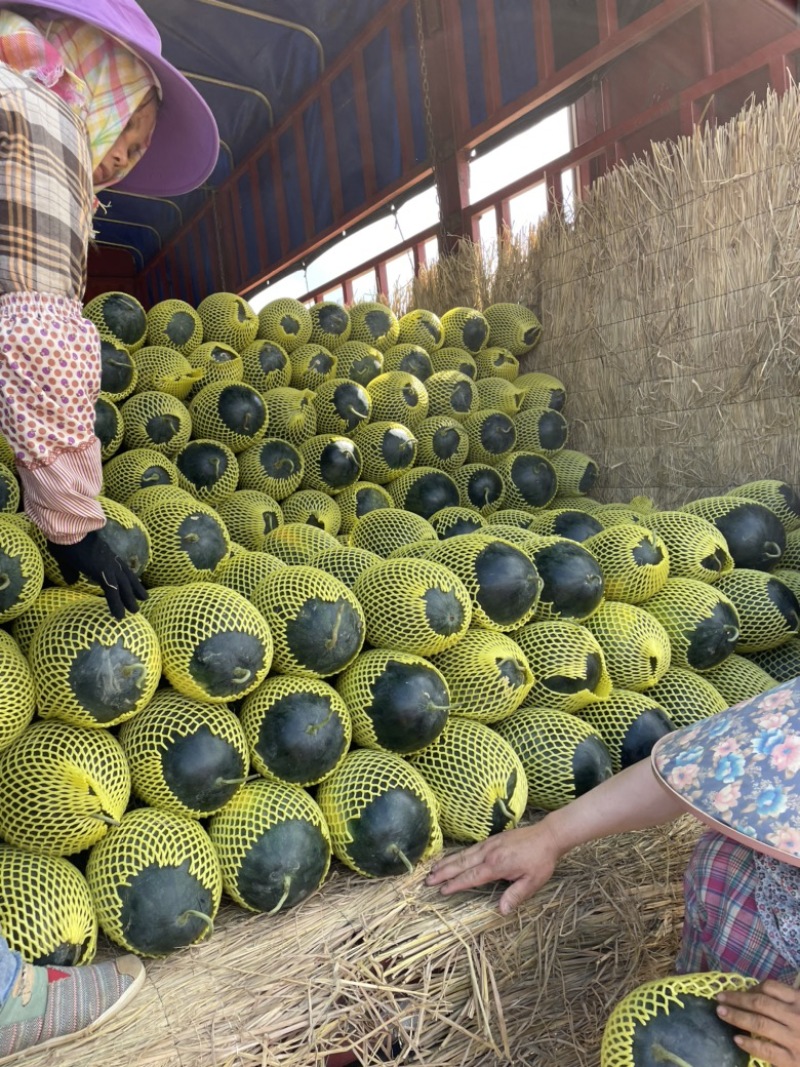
(365, 963)
(670, 308)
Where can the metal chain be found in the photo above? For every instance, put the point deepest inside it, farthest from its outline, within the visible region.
(426, 103)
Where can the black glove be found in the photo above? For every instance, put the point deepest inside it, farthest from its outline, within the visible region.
(94, 557)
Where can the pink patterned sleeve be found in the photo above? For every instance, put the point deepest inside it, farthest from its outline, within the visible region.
(50, 373)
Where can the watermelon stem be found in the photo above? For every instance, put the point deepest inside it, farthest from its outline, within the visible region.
(232, 781)
(356, 414)
(241, 675)
(397, 851)
(772, 550)
(287, 885)
(209, 922)
(663, 1055)
(109, 820)
(505, 809)
(331, 642)
(133, 670)
(5, 582)
(314, 728)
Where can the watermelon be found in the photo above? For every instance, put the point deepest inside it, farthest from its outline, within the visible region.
(629, 723)
(466, 328)
(120, 316)
(174, 324)
(92, 669)
(228, 319)
(156, 882)
(317, 623)
(755, 536)
(298, 729)
(374, 323)
(88, 788)
(381, 814)
(413, 605)
(232, 413)
(501, 579)
(273, 846)
(397, 702)
(410, 358)
(563, 757)
(215, 645)
(477, 779)
(117, 371)
(330, 324)
(341, 406)
(46, 909)
(674, 1020)
(265, 366)
(185, 756)
(285, 322)
(421, 327)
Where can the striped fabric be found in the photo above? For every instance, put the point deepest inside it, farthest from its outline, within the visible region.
(48, 1006)
(61, 498)
(723, 929)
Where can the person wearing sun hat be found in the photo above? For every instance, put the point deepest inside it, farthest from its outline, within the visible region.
(738, 772)
(86, 101)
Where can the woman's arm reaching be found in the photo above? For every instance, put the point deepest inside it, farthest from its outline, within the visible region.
(526, 857)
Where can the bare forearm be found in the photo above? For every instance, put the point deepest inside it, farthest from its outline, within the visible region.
(631, 800)
(527, 856)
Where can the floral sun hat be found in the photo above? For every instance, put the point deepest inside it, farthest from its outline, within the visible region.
(739, 771)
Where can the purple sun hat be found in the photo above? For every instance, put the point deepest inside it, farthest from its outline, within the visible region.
(739, 771)
(185, 142)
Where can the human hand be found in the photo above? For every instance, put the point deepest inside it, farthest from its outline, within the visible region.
(526, 857)
(95, 558)
(769, 1013)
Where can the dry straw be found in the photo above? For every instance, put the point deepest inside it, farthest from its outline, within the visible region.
(365, 963)
(670, 305)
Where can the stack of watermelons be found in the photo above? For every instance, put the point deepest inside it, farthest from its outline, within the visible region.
(383, 609)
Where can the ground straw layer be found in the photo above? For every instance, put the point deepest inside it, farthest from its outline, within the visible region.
(365, 963)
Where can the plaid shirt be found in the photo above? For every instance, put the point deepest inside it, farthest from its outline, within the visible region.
(45, 191)
(723, 928)
(49, 354)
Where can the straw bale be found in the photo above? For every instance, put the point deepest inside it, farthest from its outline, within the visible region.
(670, 310)
(364, 963)
(670, 307)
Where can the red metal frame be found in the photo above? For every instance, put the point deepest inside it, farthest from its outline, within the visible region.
(490, 60)
(772, 56)
(331, 153)
(454, 137)
(400, 80)
(309, 223)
